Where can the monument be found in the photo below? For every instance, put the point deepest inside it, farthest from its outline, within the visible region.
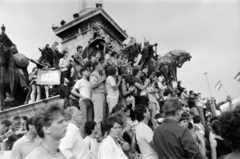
(91, 19)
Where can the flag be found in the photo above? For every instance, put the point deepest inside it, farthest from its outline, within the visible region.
(218, 85)
(237, 77)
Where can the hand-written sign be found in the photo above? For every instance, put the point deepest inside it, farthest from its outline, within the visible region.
(48, 77)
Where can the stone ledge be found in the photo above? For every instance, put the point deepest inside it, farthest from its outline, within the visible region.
(27, 109)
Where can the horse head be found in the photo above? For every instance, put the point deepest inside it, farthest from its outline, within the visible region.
(183, 58)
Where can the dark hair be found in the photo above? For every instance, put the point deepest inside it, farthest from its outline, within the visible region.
(89, 127)
(29, 122)
(171, 106)
(24, 118)
(16, 118)
(213, 118)
(94, 65)
(64, 52)
(118, 107)
(88, 65)
(135, 71)
(79, 47)
(230, 127)
(184, 116)
(101, 59)
(190, 126)
(113, 53)
(215, 126)
(109, 122)
(82, 70)
(158, 115)
(7, 123)
(139, 112)
(196, 119)
(45, 117)
(112, 71)
(126, 109)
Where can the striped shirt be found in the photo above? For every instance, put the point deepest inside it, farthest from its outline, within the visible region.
(23, 146)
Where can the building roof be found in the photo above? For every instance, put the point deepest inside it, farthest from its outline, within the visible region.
(88, 15)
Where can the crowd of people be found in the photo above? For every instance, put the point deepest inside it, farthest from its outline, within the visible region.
(106, 115)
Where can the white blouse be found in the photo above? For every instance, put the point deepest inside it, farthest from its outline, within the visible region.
(109, 149)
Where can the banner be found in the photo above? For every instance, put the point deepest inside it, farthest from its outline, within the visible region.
(48, 77)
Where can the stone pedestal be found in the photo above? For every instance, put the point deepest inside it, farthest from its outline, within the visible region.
(79, 31)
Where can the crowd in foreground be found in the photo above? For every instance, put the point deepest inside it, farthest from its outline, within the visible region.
(54, 133)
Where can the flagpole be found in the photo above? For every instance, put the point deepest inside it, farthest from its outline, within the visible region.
(208, 84)
(225, 90)
(213, 108)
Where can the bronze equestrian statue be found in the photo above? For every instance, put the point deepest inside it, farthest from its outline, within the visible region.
(13, 71)
(169, 63)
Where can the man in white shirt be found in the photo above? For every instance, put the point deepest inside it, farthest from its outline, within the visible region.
(112, 88)
(64, 64)
(144, 133)
(82, 89)
(72, 145)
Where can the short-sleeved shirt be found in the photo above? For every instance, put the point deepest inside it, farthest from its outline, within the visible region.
(144, 136)
(111, 93)
(23, 146)
(72, 144)
(174, 141)
(41, 153)
(64, 63)
(92, 145)
(84, 88)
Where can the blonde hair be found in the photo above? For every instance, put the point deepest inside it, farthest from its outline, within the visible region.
(70, 112)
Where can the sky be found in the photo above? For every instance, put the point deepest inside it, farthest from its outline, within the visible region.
(208, 29)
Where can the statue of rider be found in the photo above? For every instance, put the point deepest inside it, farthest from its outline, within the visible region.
(21, 72)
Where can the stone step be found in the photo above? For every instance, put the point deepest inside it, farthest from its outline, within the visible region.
(28, 109)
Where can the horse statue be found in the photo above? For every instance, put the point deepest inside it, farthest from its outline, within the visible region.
(169, 63)
(10, 73)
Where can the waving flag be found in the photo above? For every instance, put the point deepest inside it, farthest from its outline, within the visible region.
(218, 85)
(237, 77)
